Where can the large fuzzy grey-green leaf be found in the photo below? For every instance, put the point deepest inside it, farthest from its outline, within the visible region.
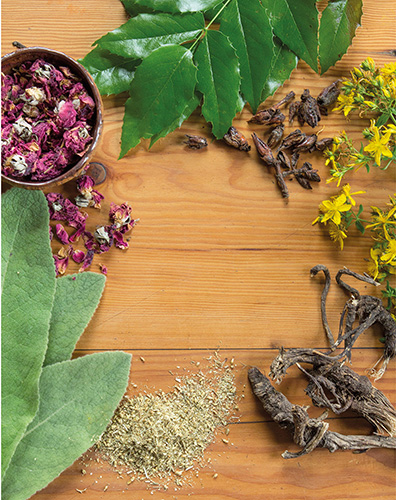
(28, 287)
(77, 400)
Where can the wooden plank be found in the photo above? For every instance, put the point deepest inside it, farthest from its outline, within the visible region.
(219, 260)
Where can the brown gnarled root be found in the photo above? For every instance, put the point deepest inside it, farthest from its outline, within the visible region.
(307, 432)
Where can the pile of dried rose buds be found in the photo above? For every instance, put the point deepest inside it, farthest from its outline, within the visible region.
(101, 240)
(47, 118)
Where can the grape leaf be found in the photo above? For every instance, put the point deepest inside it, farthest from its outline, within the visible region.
(296, 24)
(154, 107)
(284, 62)
(77, 400)
(191, 105)
(338, 25)
(218, 80)
(76, 299)
(28, 287)
(175, 6)
(112, 74)
(142, 34)
(246, 24)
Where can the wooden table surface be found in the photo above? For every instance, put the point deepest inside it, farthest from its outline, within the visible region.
(219, 260)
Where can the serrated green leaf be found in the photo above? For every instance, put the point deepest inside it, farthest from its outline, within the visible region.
(133, 9)
(154, 107)
(246, 24)
(28, 287)
(77, 400)
(76, 299)
(175, 6)
(142, 34)
(284, 62)
(296, 24)
(218, 80)
(191, 106)
(338, 25)
(112, 74)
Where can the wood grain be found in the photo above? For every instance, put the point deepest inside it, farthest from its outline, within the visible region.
(218, 260)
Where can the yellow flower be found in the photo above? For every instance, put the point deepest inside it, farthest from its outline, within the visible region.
(337, 234)
(373, 263)
(332, 209)
(347, 191)
(389, 69)
(390, 253)
(345, 103)
(381, 218)
(378, 145)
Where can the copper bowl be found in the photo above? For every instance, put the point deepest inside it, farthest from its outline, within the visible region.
(14, 59)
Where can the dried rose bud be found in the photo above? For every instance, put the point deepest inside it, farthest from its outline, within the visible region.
(196, 142)
(309, 110)
(293, 139)
(275, 136)
(324, 143)
(237, 140)
(264, 151)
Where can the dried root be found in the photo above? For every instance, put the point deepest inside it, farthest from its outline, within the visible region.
(308, 433)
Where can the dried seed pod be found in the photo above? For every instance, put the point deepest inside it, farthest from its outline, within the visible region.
(284, 160)
(293, 139)
(276, 136)
(310, 173)
(271, 116)
(264, 151)
(329, 95)
(196, 142)
(293, 111)
(309, 110)
(308, 144)
(324, 143)
(236, 139)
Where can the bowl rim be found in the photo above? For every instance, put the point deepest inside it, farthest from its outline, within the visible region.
(72, 172)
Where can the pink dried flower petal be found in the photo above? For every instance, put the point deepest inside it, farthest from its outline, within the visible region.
(78, 256)
(62, 234)
(119, 240)
(87, 261)
(103, 269)
(67, 115)
(61, 264)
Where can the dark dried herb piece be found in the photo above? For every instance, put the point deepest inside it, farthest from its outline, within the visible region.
(324, 143)
(196, 142)
(292, 140)
(275, 136)
(308, 111)
(293, 111)
(328, 97)
(272, 115)
(268, 158)
(308, 433)
(237, 140)
(304, 174)
(284, 161)
(307, 145)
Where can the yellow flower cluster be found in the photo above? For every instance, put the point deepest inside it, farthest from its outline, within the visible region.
(337, 214)
(367, 90)
(383, 252)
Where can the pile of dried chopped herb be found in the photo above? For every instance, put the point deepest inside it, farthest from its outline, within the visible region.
(47, 120)
(163, 434)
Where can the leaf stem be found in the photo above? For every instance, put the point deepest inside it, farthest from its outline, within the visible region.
(204, 30)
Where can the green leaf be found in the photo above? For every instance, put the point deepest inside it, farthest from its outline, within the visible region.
(175, 6)
(296, 24)
(191, 106)
(142, 34)
(154, 107)
(218, 80)
(360, 226)
(133, 9)
(284, 62)
(112, 74)
(77, 400)
(76, 299)
(246, 24)
(28, 287)
(338, 25)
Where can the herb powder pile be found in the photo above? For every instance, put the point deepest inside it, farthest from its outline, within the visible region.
(163, 433)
